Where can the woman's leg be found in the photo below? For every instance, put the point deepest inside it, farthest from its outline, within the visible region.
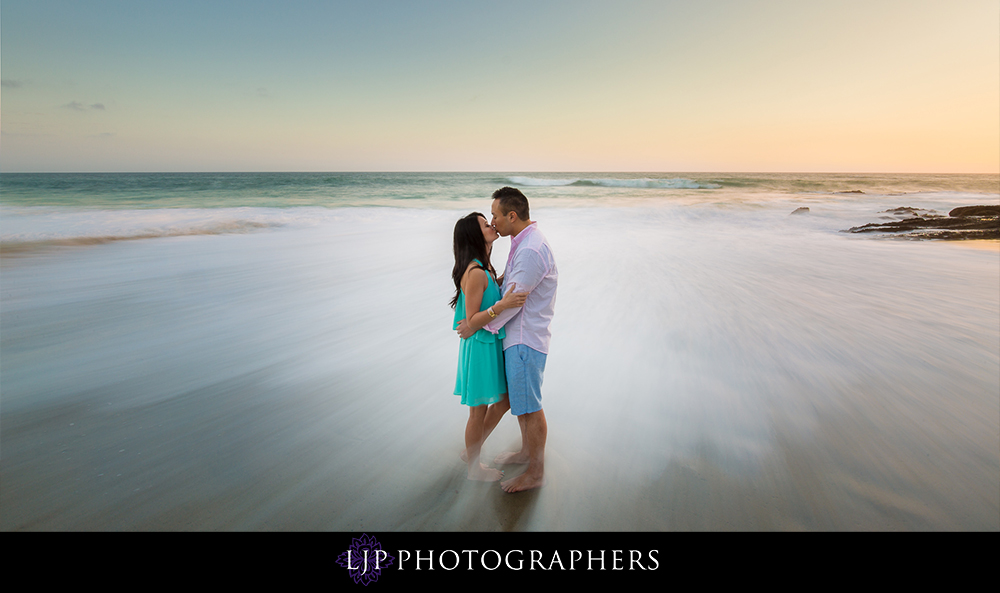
(494, 414)
(473, 443)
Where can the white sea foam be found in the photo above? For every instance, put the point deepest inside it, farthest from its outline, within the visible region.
(675, 183)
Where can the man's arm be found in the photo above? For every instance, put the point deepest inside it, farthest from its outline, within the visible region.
(475, 321)
(502, 318)
(528, 270)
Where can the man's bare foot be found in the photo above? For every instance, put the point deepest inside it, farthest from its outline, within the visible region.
(485, 474)
(522, 482)
(512, 458)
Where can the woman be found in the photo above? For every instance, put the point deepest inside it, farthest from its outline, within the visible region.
(481, 381)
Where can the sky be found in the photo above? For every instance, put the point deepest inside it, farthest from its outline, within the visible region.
(379, 85)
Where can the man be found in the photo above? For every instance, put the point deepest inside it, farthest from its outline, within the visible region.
(531, 267)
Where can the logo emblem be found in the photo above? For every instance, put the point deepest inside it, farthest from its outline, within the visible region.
(365, 559)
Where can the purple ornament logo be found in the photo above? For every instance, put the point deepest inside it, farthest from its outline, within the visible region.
(365, 559)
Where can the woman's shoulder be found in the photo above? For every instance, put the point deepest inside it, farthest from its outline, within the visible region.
(475, 268)
(474, 272)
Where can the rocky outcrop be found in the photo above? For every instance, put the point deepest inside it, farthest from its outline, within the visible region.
(976, 211)
(967, 222)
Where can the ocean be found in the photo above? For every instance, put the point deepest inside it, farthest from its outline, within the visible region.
(272, 351)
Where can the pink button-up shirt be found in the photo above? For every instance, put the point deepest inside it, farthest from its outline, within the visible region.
(530, 266)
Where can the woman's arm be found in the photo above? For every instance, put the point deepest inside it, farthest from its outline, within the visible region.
(475, 282)
(474, 285)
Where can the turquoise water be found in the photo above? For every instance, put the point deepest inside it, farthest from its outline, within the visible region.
(441, 190)
(110, 206)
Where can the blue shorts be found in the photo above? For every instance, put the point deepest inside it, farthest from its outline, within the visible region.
(524, 368)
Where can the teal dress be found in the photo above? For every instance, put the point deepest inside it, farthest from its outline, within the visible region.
(481, 377)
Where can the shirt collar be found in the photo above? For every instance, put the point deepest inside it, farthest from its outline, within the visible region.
(516, 240)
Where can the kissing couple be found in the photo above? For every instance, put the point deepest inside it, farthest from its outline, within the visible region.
(504, 341)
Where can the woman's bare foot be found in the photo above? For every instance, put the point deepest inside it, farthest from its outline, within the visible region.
(512, 458)
(485, 474)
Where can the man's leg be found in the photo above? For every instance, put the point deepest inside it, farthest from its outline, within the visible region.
(524, 368)
(521, 456)
(536, 430)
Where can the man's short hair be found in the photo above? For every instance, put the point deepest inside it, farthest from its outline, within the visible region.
(511, 198)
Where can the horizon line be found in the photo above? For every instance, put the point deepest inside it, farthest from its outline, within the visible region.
(508, 172)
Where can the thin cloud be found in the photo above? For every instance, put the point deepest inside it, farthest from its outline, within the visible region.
(10, 83)
(78, 106)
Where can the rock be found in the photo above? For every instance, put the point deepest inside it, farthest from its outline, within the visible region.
(911, 211)
(976, 211)
(851, 191)
(802, 210)
(970, 222)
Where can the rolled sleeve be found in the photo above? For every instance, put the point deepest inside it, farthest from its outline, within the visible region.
(529, 270)
(501, 320)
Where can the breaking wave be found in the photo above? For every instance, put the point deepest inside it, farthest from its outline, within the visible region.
(675, 183)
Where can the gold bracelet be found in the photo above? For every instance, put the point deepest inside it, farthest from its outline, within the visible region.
(492, 314)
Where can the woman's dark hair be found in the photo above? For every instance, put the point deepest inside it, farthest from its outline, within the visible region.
(469, 245)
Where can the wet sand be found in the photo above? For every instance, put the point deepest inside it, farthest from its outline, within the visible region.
(244, 461)
(988, 245)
